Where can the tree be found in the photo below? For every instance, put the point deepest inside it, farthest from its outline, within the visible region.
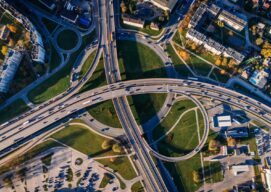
(225, 61)
(196, 176)
(166, 13)
(106, 144)
(4, 50)
(184, 55)
(259, 41)
(213, 145)
(231, 142)
(193, 46)
(218, 62)
(123, 7)
(117, 148)
(222, 72)
(253, 30)
(132, 6)
(266, 50)
(12, 28)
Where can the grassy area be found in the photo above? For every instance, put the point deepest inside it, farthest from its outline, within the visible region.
(28, 156)
(178, 64)
(216, 75)
(137, 187)
(46, 160)
(121, 165)
(49, 24)
(146, 29)
(213, 172)
(105, 113)
(144, 107)
(181, 173)
(105, 181)
(55, 59)
(97, 79)
(87, 64)
(183, 138)
(67, 39)
(138, 61)
(176, 110)
(78, 137)
(12, 110)
(59, 82)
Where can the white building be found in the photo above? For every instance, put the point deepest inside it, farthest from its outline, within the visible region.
(167, 5)
(222, 121)
(232, 20)
(133, 22)
(38, 54)
(9, 68)
(237, 169)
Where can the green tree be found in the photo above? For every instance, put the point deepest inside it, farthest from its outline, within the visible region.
(213, 145)
(259, 41)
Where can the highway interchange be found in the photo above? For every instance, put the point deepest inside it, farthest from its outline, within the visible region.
(21, 129)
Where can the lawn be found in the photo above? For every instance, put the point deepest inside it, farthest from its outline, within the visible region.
(97, 79)
(60, 81)
(105, 113)
(178, 64)
(83, 140)
(138, 61)
(105, 181)
(216, 75)
(183, 138)
(28, 155)
(146, 106)
(137, 187)
(55, 59)
(176, 110)
(67, 39)
(122, 165)
(13, 110)
(49, 24)
(87, 64)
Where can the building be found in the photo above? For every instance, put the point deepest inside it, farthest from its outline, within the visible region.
(222, 121)
(210, 44)
(267, 179)
(68, 13)
(167, 5)
(50, 4)
(237, 132)
(154, 26)
(268, 162)
(259, 78)
(4, 32)
(232, 20)
(9, 68)
(237, 169)
(38, 54)
(132, 21)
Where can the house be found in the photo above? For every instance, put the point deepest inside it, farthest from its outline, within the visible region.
(245, 74)
(232, 20)
(50, 4)
(9, 68)
(237, 132)
(259, 78)
(4, 32)
(166, 5)
(132, 21)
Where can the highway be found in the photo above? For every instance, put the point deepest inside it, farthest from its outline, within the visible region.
(151, 175)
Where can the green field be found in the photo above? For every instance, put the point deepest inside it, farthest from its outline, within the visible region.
(177, 109)
(55, 59)
(122, 165)
(199, 66)
(97, 79)
(67, 39)
(137, 187)
(49, 24)
(104, 181)
(78, 137)
(183, 138)
(87, 64)
(178, 64)
(144, 107)
(216, 75)
(105, 113)
(138, 61)
(60, 81)
(13, 110)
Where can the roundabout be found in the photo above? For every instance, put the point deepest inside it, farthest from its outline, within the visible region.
(67, 40)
